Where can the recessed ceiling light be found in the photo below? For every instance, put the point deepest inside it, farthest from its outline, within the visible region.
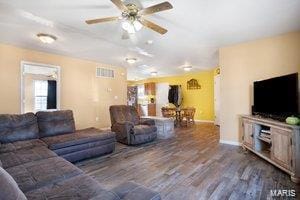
(153, 73)
(131, 60)
(46, 38)
(149, 42)
(187, 68)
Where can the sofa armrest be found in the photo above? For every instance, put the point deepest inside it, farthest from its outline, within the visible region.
(149, 122)
(123, 129)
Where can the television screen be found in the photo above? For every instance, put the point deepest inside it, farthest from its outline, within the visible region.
(277, 96)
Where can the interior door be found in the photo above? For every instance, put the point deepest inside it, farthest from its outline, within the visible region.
(281, 147)
(162, 91)
(217, 91)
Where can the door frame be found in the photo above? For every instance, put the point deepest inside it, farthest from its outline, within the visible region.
(217, 90)
(22, 93)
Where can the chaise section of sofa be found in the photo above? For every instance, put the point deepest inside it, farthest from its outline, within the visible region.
(57, 130)
(82, 144)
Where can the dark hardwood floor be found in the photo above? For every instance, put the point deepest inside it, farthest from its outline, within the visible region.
(192, 165)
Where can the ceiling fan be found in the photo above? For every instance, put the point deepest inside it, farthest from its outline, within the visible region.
(133, 17)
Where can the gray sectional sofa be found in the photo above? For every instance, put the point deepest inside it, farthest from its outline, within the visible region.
(35, 151)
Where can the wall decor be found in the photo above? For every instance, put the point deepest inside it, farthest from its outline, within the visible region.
(193, 85)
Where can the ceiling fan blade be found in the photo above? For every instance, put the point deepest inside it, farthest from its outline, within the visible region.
(153, 26)
(119, 4)
(156, 8)
(100, 20)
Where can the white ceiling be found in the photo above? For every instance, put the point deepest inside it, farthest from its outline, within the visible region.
(197, 28)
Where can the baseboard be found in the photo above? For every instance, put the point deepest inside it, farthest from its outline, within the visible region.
(206, 121)
(230, 142)
(105, 128)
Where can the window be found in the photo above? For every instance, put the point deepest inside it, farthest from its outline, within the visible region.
(40, 95)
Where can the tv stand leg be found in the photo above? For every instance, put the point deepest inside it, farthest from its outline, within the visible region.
(295, 179)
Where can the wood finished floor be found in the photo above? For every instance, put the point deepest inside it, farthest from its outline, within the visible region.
(192, 165)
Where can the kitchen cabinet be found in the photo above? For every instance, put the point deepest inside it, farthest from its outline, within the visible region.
(149, 88)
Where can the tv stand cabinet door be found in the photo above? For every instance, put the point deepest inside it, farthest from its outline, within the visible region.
(281, 150)
(248, 130)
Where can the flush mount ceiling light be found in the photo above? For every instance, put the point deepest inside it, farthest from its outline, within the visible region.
(131, 60)
(153, 73)
(46, 38)
(187, 68)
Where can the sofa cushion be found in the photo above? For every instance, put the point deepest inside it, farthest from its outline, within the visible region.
(81, 187)
(9, 189)
(133, 191)
(40, 173)
(23, 156)
(26, 144)
(80, 147)
(77, 138)
(90, 152)
(144, 129)
(55, 123)
(18, 127)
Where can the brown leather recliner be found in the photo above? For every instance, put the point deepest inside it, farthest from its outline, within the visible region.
(128, 126)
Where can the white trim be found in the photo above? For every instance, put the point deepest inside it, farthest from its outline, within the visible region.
(40, 65)
(105, 128)
(230, 142)
(206, 121)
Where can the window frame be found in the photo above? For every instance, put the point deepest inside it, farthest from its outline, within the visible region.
(41, 96)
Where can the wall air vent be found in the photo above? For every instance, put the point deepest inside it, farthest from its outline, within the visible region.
(105, 72)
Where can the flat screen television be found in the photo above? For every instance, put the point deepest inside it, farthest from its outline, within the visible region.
(277, 97)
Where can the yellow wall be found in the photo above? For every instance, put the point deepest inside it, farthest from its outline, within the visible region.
(243, 64)
(81, 91)
(201, 99)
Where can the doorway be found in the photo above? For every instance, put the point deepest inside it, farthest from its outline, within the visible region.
(40, 87)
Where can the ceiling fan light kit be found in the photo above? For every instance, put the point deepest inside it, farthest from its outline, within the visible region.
(131, 27)
(134, 17)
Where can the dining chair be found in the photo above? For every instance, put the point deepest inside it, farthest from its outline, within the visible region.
(187, 116)
(168, 112)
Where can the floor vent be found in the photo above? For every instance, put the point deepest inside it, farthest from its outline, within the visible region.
(104, 72)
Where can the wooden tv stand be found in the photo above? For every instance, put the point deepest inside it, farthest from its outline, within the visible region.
(276, 142)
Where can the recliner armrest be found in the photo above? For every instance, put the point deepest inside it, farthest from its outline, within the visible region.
(123, 129)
